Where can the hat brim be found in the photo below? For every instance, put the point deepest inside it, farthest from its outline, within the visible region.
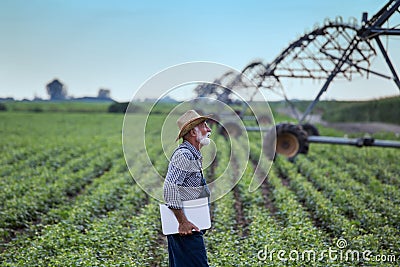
(191, 124)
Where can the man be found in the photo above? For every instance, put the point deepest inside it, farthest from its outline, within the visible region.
(185, 181)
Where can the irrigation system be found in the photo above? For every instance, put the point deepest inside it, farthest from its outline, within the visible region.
(332, 51)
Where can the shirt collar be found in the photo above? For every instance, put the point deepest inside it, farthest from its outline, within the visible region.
(194, 150)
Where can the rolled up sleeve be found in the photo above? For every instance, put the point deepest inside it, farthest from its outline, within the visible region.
(177, 172)
(172, 196)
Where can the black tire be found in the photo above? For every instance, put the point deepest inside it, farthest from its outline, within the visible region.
(291, 140)
(310, 129)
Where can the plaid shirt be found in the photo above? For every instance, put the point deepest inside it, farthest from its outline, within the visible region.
(184, 180)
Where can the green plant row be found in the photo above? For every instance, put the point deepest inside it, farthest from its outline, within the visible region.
(60, 236)
(117, 239)
(263, 230)
(265, 234)
(19, 182)
(383, 162)
(100, 197)
(102, 218)
(363, 174)
(18, 211)
(146, 245)
(45, 156)
(18, 152)
(223, 239)
(353, 198)
(322, 208)
(23, 154)
(99, 228)
(330, 216)
(379, 170)
(297, 222)
(50, 155)
(291, 211)
(298, 229)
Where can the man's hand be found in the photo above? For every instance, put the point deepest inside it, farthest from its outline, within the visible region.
(185, 228)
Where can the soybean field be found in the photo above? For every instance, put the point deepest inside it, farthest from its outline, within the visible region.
(68, 199)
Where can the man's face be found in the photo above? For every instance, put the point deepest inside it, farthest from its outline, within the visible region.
(204, 129)
(203, 133)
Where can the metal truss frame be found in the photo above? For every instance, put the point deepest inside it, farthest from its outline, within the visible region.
(332, 51)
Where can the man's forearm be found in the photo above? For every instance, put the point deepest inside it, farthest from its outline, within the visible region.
(180, 215)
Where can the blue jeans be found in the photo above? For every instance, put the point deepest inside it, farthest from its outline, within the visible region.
(187, 251)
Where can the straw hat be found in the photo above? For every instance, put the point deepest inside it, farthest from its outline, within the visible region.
(188, 121)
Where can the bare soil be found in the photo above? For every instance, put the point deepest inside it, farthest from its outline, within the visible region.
(365, 127)
(349, 127)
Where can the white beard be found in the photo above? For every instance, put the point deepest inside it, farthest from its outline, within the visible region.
(204, 140)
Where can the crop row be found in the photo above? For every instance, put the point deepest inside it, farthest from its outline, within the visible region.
(292, 230)
(27, 134)
(45, 239)
(222, 239)
(326, 216)
(48, 154)
(352, 198)
(103, 218)
(72, 160)
(330, 216)
(39, 194)
(363, 172)
(364, 163)
(18, 182)
(99, 228)
(263, 231)
(289, 226)
(20, 210)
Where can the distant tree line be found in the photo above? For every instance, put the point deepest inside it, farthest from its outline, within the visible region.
(382, 110)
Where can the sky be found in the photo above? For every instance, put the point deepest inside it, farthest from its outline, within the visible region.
(118, 45)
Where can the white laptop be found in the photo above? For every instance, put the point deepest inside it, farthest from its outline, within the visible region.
(197, 211)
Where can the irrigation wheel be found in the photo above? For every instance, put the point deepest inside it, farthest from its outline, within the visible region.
(291, 140)
(310, 129)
